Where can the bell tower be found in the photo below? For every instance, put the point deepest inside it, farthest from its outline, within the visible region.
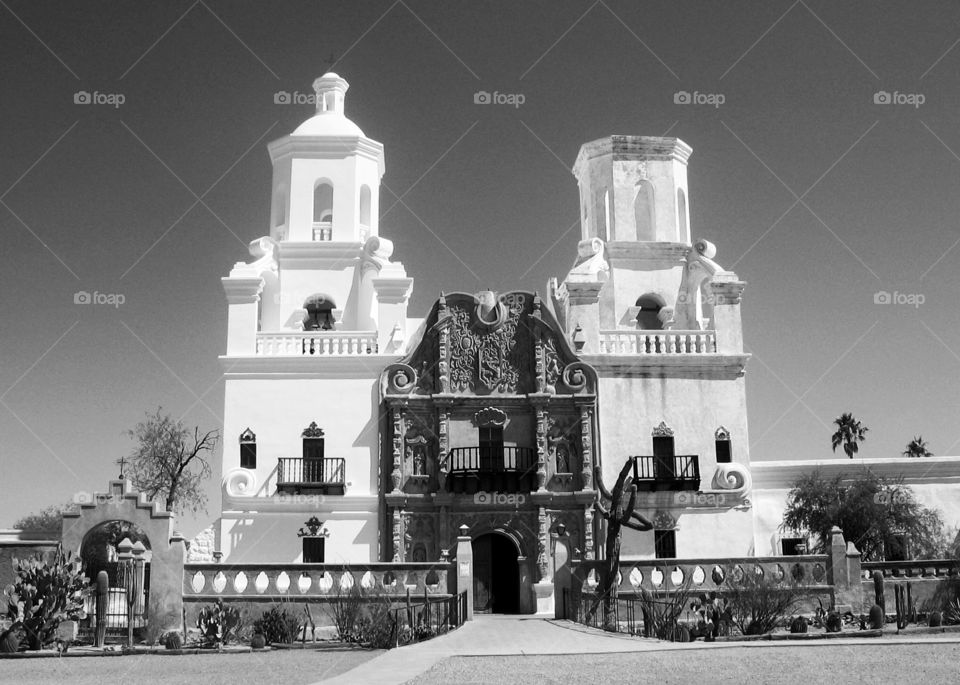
(326, 175)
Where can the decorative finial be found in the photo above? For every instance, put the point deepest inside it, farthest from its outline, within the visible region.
(122, 461)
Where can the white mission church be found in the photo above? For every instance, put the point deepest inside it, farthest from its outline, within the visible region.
(383, 432)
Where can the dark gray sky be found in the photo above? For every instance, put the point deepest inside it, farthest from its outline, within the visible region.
(815, 194)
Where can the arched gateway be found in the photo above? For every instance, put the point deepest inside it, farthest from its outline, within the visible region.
(490, 423)
(91, 532)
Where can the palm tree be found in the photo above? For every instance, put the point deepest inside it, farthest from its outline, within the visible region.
(917, 448)
(849, 434)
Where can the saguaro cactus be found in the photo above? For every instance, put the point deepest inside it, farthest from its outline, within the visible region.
(101, 607)
(617, 515)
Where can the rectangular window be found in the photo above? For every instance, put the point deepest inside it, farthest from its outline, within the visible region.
(663, 461)
(723, 451)
(793, 546)
(491, 448)
(665, 544)
(248, 455)
(313, 550)
(313, 448)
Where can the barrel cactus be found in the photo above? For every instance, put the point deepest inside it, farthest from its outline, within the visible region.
(172, 640)
(877, 619)
(798, 625)
(935, 619)
(258, 641)
(834, 623)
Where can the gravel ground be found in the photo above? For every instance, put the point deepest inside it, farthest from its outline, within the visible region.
(289, 667)
(901, 664)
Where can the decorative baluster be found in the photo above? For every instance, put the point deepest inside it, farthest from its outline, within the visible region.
(672, 341)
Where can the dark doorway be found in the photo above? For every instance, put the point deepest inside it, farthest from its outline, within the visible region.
(663, 461)
(496, 575)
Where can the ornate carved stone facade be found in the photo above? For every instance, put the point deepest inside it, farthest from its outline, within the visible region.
(490, 422)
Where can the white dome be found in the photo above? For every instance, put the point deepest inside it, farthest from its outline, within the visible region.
(327, 124)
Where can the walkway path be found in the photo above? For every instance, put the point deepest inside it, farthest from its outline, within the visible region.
(496, 635)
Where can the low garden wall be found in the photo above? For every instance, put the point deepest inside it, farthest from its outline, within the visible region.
(831, 579)
(925, 579)
(253, 588)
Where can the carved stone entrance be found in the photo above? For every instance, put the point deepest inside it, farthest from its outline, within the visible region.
(496, 581)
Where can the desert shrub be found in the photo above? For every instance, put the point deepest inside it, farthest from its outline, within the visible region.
(661, 610)
(365, 618)
(277, 626)
(757, 604)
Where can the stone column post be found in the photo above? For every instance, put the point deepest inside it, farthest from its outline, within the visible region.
(584, 312)
(561, 571)
(843, 573)
(464, 568)
(727, 292)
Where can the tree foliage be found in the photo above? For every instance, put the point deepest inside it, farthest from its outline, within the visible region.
(917, 448)
(872, 512)
(850, 433)
(170, 462)
(47, 520)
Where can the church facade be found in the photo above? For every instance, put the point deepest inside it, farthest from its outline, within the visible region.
(356, 433)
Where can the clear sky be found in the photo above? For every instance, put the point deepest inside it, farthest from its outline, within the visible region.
(816, 194)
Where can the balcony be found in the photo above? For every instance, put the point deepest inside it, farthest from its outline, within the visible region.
(311, 476)
(491, 469)
(318, 343)
(680, 472)
(322, 231)
(658, 342)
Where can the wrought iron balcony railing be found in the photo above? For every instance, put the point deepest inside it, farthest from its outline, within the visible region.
(504, 468)
(492, 459)
(679, 472)
(324, 476)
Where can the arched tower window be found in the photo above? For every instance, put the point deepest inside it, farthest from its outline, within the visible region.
(645, 211)
(365, 206)
(682, 229)
(323, 211)
(648, 318)
(320, 315)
